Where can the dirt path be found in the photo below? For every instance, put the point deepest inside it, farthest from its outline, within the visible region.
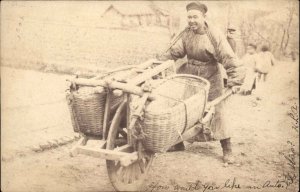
(34, 110)
(263, 141)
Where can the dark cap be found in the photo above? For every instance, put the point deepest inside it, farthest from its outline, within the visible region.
(197, 6)
(231, 27)
(265, 48)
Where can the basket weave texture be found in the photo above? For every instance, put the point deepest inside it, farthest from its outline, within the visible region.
(179, 106)
(87, 110)
(86, 106)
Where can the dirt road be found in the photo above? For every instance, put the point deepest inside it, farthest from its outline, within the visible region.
(34, 110)
(264, 138)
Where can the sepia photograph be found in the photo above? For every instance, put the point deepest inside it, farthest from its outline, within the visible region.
(150, 96)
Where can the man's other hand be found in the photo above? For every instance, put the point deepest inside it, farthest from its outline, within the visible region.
(235, 89)
(245, 91)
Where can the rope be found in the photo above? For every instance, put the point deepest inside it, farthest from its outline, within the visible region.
(180, 100)
(177, 38)
(185, 108)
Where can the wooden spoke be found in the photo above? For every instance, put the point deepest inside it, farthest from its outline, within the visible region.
(142, 166)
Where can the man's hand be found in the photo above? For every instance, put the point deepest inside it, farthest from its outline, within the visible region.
(245, 91)
(235, 89)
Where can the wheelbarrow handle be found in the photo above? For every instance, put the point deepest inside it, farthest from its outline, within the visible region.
(218, 100)
(210, 106)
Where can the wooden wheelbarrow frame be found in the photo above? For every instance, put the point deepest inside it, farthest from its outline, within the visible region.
(117, 87)
(132, 151)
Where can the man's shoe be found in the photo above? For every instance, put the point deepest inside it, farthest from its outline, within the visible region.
(228, 157)
(227, 151)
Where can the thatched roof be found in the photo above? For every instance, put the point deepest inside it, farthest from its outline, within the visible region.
(131, 8)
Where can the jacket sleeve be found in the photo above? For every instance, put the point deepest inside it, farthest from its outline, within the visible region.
(225, 55)
(177, 51)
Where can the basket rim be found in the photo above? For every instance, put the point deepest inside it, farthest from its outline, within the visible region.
(167, 110)
(207, 83)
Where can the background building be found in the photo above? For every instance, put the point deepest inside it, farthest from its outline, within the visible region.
(134, 15)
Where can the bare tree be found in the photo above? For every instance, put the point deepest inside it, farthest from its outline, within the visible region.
(291, 11)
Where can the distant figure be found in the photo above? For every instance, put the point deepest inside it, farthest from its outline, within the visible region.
(264, 62)
(250, 62)
(231, 41)
(230, 37)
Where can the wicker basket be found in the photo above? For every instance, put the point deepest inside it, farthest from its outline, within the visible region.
(180, 104)
(87, 110)
(87, 104)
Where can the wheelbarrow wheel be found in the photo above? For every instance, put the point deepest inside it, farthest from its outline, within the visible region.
(132, 177)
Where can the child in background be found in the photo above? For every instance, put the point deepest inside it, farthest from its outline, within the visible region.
(264, 63)
(250, 62)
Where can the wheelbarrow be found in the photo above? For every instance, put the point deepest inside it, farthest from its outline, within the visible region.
(121, 145)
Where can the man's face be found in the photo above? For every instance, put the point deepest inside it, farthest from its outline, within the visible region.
(231, 33)
(250, 50)
(195, 19)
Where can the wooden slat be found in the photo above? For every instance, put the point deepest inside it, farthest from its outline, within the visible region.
(151, 72)
(124, 148)
(113, 85)
(82, 141)
(134, 70)
(138, 69)
(124, 157)
(147, 64)
(129, 87)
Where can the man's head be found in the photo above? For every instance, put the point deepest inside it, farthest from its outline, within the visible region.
(265, 48)
(231, 31)
(251, 48)
(196, 15)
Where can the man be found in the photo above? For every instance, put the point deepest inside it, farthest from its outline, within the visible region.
(231, 40)
(230, 37)
(250, 62)
(265, 61)
(205, 47)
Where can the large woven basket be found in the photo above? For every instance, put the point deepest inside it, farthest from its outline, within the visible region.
(86, 106)
(180, 104)
(87, 110)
